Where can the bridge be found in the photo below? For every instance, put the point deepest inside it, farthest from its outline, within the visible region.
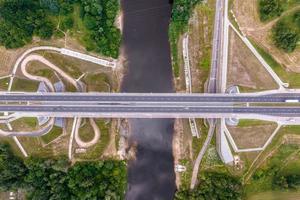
(268, 106)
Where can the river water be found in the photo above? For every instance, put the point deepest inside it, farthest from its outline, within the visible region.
(147, 51)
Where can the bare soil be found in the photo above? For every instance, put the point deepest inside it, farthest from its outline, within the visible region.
(244, 69)
(252, 136)
(246, 12)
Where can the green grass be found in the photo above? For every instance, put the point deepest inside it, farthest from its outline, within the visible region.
(24, 85)
(52, 135)
(31, 122)
(263, 177)
(97, 82)
(13, 145)
(252, 122)
(35, 69)
(292, 168)
(290, 77)
(95, 152)
(79, 31)
(86, 132)
(278, 160)
(4, 83)
(33, 147)
(68, 65)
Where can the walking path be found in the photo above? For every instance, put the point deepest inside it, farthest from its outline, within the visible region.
(24, 59)
(210, 134)
(63, 51)
(280, 83)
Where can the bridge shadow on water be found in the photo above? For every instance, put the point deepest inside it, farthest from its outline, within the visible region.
(148, 65)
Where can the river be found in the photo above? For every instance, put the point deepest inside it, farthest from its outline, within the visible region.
(148, 69)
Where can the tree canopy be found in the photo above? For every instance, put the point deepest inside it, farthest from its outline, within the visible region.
(56, 179)
(269, 9)
(12, 169)
(213, 185)
(20, 20)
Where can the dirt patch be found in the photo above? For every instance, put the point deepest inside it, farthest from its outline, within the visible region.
(244, 69)
(246, 12)
(252, 136)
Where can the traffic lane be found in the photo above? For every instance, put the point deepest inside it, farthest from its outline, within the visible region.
(149, 98)
(147, 109)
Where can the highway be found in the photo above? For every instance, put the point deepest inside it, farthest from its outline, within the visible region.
(146, 97)
(153, 110)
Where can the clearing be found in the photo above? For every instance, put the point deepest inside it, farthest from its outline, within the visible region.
(252, 133)
(246, 12)
(244, 69)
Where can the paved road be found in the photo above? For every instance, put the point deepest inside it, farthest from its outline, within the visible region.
(145, 97)
(85, 109)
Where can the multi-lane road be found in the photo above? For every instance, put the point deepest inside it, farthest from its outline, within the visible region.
(150, 105)
(148, 97)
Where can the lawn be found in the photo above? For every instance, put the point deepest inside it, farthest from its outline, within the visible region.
(25, 124)
(273, 156)
(52, 135)
(4, 83)
(96, 151)
(263, 177)
(86, 132)
(290, 77)
(24, 85)
(97, 82)
(252, 122)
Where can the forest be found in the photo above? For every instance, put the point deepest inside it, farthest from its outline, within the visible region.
(21, 20)
(213, 185)
(47, 178)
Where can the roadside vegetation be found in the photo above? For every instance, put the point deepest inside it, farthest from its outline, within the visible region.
(52, 135)
(213, 185)
(269, 9)
(286, 31)
(276, 164)
(181, 12)
(45, 178)
(96, 151)
(286, 76)
(21, 20)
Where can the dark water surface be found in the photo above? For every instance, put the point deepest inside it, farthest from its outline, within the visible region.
(145, 42)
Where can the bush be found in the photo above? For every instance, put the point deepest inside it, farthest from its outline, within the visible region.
(285, 37)
(296, 18)
(269, 9)
(20, 20)
(12, 169)
(213, 185)
(56, 179)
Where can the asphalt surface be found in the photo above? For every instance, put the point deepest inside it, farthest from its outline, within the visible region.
(279, 111)
(144, 97)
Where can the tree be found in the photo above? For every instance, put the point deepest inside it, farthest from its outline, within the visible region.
(269, 9)
(67, 23)
(12, 169)
(296, 18)
(214, 185)
(45, 31)
(285, 37)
